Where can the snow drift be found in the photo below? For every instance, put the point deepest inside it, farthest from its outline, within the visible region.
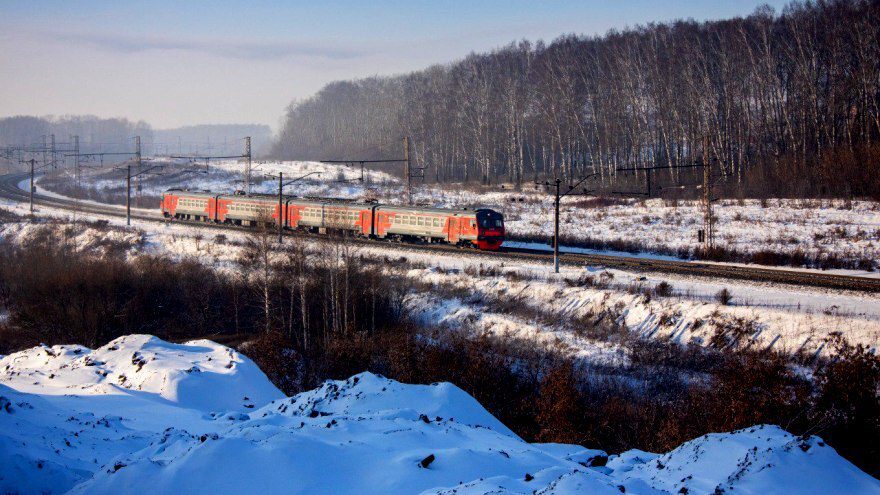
(201, 418)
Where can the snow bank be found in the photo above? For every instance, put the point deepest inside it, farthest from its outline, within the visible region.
(760, 460)
(66, 411)
(365, 435)
(67, 424)
(198, 374)
(367, 394)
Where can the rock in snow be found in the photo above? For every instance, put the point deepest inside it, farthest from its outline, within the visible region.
(143, 415)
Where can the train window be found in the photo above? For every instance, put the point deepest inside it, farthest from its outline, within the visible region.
(491, 220)
(421, 221)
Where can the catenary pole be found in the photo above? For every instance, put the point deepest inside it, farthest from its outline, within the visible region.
(32, 186)
(556, 229)
(281, 216)
(128, 195)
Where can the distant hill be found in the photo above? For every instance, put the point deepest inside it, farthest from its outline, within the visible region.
(213, 139)
(95, 133)
(115, 134)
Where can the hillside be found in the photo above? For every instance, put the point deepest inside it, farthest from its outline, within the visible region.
(141, 413)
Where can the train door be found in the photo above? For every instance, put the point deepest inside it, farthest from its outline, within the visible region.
(366, 221)
(452, 229)
(214, 207)
(374, 220)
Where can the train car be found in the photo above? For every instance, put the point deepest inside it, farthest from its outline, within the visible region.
(249, 209)
(482, 228)
(189, 205)
(321, 216)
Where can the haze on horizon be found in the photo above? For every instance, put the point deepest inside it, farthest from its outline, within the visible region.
(173, 64)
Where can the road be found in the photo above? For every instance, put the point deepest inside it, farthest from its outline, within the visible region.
(807, 278)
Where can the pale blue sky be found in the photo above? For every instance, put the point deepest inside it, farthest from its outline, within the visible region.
(175, 63)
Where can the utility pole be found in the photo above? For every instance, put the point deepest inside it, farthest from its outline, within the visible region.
(32, 185)
(708, 221)
(556, 228)
(76, 155)
(137, 153)
(247, 167)
(281, 215)
(45, 149)
(76, 176)
(281, 184)
(137, 156)
(558, 195)
(128, 194)
(407, 171)
(10, 153)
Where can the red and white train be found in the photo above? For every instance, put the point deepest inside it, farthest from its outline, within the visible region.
(482, 228)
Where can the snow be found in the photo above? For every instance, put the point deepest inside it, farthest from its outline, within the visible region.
(849, 230)
(70, 410)
(69, 424)
(764, 459)
(786, 318)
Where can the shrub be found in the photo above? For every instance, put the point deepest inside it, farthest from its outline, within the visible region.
(663, 289)
(723, 296)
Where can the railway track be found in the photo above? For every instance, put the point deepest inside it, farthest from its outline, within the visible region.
(806, 278)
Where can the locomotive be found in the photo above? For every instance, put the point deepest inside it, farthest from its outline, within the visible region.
(481, 228)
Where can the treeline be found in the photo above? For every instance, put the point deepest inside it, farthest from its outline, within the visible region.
(115, 135)
(785, 104)
(212, 138)
(95, 133)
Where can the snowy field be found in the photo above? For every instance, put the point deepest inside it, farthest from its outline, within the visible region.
(140, 415)
(525, 300)
(847, 231)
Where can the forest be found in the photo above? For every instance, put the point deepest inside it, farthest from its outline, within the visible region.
(95, 133)
(780, 104)
(98, 134)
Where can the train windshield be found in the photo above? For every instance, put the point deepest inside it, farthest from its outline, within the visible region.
(490, 220)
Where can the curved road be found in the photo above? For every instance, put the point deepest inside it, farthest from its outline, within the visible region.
(9, 189)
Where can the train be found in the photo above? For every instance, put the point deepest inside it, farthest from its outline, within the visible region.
(481, 228)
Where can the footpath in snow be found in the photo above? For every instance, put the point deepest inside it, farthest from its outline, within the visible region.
(143, 415)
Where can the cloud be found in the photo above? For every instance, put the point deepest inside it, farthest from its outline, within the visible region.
(229, 48)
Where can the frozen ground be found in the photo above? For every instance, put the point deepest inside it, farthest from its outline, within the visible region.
(143, 415)
(524, 300)
(820, 229)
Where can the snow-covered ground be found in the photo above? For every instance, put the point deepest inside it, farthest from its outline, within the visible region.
(847, 230)
(787, 318)
(142, 415)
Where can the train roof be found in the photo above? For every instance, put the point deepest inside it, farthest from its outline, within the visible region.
(425, 209)
(339, 202)
(187, 192)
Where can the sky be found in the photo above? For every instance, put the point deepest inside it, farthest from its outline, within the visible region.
(175, 63)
